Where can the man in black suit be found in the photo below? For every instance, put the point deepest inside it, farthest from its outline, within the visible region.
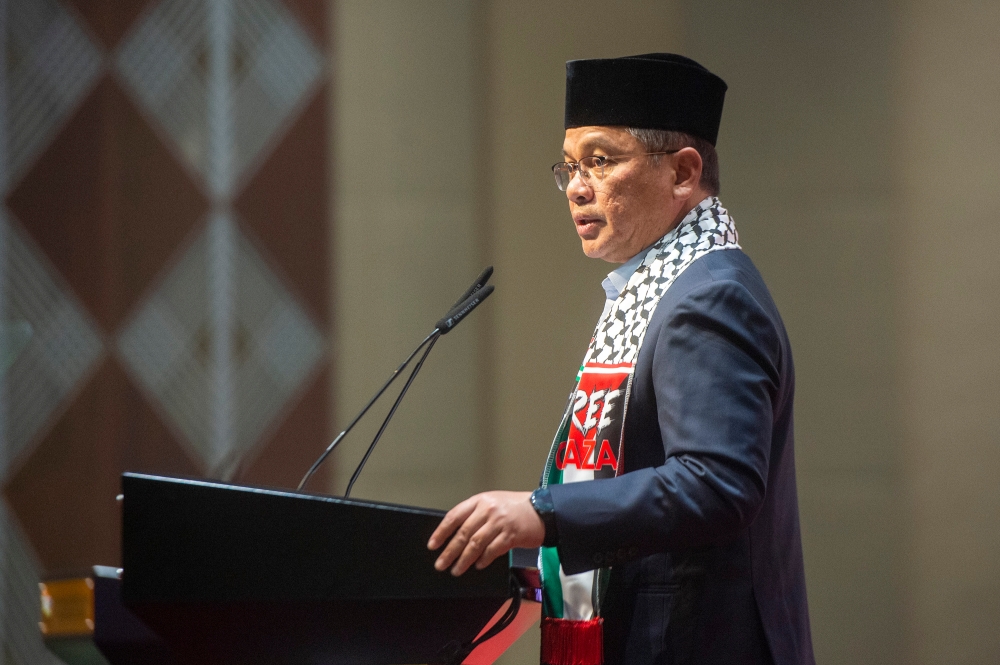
(667, 515)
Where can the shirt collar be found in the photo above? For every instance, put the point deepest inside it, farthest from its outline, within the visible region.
(617, 279)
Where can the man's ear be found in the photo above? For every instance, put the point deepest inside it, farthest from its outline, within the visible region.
(687, 172)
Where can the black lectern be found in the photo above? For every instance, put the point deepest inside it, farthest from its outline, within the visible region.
(233, 574)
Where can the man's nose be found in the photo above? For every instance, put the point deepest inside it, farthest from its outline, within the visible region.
(579, 190)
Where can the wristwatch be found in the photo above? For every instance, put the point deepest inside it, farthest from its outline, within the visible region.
(541, 501)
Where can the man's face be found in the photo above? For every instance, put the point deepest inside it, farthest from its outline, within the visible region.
(631, 207)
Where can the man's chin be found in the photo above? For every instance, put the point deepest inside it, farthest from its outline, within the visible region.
(596, 250)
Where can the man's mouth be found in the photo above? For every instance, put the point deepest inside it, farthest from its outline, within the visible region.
(588, 227)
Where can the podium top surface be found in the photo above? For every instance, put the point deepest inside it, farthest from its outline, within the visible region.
(130, 477)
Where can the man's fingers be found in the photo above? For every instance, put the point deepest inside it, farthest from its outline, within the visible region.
(501, 545)
(458, 542)
(478, 543)
(484, 527)
(451, 521)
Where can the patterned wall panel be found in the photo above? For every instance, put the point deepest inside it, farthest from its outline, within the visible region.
(275, 347)
(50, 64)
(167, 61)
(163, 231)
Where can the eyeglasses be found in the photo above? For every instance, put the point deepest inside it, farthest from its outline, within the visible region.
(592, 169)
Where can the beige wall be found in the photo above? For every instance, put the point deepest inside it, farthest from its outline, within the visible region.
(949, 293)
(859, 159)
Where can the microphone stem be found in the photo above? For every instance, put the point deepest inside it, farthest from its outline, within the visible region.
(354, 422)
(434, 337)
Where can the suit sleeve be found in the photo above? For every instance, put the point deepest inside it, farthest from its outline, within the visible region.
(715, 375)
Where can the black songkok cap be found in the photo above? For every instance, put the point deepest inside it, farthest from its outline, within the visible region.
(651, 91)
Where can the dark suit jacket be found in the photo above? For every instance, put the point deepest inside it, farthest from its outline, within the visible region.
(702, 529)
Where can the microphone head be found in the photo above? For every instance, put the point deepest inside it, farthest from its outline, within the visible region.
(463, 309)
(484, 277)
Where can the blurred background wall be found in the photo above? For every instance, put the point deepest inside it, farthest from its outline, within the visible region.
(229, 220)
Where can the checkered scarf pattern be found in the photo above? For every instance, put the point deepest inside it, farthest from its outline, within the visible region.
(707, 228)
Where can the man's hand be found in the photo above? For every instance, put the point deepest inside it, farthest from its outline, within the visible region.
(488, 525)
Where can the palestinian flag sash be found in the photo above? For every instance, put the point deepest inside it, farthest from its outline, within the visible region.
(588, 443)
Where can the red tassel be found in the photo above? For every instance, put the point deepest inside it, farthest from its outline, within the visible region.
(566, 642)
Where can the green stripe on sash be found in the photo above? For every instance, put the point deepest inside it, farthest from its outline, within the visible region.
(552, 599)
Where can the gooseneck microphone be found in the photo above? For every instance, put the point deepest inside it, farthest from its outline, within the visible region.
(462, 310)
(472, 298)
(480, 282)
(449, 321)
(392, 377)
(392, 411)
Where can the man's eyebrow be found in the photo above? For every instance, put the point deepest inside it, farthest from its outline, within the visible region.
(588, 147)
